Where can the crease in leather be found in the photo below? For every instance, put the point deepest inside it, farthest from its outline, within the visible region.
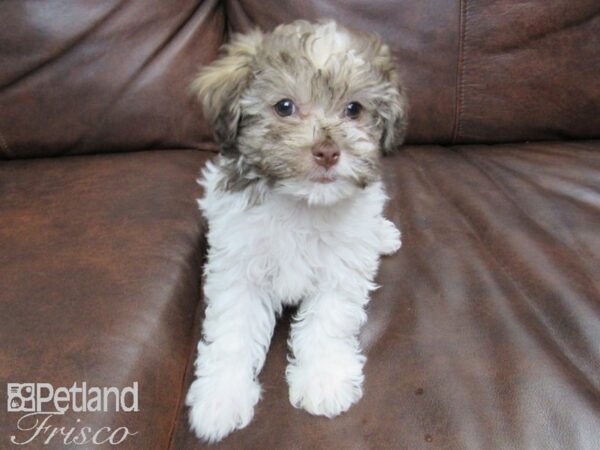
(139, 71)
(539, 329)
(531, 220)
(3, 144)
(565, 349)
(76, 41)
(182, 391)
(536, 149)
(460, 382)
(195, 325)
(559, 180)
(553, 193)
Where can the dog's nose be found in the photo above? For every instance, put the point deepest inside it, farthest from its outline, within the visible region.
(326, 154)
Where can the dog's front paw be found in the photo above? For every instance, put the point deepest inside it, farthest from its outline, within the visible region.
(325, 387)
(389, 237)
(219, 405)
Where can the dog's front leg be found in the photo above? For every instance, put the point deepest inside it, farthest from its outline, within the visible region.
(237, 330)
(325, 374)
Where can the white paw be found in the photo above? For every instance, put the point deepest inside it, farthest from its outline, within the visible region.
(326, 387)
(220, 404)
(389, 237)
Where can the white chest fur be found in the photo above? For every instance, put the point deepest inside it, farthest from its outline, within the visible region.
(287, 248)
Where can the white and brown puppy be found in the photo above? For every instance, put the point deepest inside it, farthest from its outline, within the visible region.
(294, 205)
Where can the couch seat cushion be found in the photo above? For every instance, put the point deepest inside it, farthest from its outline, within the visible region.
(485, 333)
(100, 264)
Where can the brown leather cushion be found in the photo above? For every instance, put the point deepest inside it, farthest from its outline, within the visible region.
(476, 71)
(100, 266)
(96, 75)
(529, 71)
(484, 334)
(103, 76)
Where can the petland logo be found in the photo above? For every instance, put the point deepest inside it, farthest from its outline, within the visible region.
(41, 402)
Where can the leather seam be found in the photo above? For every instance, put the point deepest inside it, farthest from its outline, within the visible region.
(180, 409)
(180, 412)
(460, 71)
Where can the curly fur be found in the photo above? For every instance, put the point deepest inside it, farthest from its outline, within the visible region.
(279, 235)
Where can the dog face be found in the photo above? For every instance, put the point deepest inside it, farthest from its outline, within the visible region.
(308, 107)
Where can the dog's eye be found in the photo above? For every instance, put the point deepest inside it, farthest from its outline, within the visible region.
(353, 110)
(285, 107)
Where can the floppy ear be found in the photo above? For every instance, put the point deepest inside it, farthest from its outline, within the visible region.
(221, 84)
(394, 109)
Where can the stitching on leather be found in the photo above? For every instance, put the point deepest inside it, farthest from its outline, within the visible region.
(460, 70)
(3, 144)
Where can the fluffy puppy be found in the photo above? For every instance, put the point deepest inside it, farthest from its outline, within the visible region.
(294, 205)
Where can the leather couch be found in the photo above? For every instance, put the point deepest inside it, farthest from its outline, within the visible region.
(485, 333)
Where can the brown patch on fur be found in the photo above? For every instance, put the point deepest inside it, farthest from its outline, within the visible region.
(321, 67)
(221, 84)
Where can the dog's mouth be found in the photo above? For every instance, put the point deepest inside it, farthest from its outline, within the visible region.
(324, 176)
(324, 179)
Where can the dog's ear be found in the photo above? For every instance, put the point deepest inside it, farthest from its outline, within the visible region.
(221, 84)
(394, 107)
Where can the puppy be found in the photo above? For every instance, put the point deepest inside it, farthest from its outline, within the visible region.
(294, 205)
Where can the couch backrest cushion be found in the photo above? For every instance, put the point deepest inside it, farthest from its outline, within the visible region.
(476, 70)
(530, 70)
(103, 75)
(106, 75)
